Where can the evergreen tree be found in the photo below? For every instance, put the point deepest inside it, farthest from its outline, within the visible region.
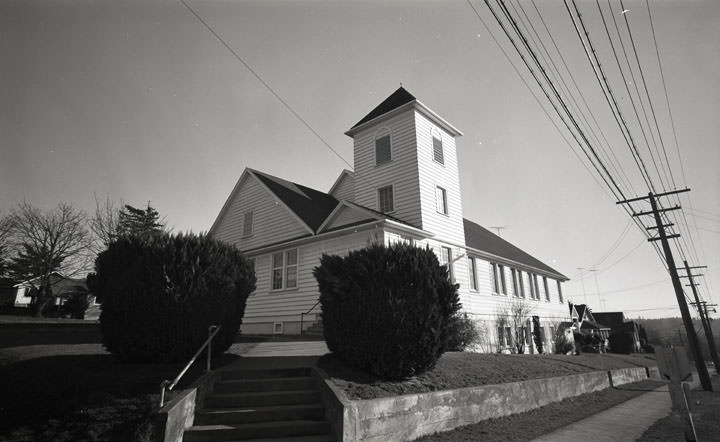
(139, 222)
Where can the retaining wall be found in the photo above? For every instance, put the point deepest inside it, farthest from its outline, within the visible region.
(402, 418)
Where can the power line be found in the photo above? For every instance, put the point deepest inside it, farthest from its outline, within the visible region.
(264, 83)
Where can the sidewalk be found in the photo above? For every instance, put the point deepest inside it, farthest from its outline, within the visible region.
(624, 422)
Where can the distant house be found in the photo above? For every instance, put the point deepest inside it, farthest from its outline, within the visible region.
(618, 324)
(585, 322)
(405, 187)
(63, 289)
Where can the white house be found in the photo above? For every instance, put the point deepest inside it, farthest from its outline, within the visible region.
(405, 187)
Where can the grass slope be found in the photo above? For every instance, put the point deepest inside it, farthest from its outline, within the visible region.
(459, 370)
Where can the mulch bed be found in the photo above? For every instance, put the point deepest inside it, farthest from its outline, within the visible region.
(459, 370)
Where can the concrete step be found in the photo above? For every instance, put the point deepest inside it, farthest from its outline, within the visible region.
(311, 412)
(274, 373)
(269, 384)
(262, 399)
(236, 432)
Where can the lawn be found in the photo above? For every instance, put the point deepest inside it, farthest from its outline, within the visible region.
(459, 370)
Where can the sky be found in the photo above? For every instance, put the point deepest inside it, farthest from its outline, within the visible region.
(137, 101)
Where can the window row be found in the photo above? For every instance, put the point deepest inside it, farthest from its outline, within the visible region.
(524, 284)
(383, 148)
(386, 200)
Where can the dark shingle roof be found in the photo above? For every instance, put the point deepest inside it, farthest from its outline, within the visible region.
(397, 99)
(484, 240)
(310, 205)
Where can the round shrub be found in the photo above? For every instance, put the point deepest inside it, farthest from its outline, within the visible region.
(159, 294)
(386, 310)
(462, 333)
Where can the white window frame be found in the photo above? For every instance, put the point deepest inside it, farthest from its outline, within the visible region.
(248, 227)
(446, 259)
(521, 283)
(285, 270)
(389, 159)
(438, 138)
(494, 282)
(472, 265)
(379, 199)
(441, 202)
(531, 285)
(503, 281)
(560, 295)
(547, 289)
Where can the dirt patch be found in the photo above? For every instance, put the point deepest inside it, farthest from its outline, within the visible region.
(460, 370)
(527, 426)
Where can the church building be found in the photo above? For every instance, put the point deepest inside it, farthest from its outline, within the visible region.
(405, 187)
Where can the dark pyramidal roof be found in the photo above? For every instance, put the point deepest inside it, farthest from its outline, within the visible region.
(395, 100)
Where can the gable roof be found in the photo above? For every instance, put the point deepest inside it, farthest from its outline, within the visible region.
(310, 205)
(395, 100)
(480, 238)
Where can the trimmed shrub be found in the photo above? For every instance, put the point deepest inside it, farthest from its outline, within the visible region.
(387, 310)
(537, 334)
(621, 342)
(160, 294)
(462, 333)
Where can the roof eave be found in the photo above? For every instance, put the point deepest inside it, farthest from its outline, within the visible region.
(415, 104)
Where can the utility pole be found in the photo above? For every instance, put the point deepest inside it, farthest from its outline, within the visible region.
(597, 288)
(702, 309)
(679, 294)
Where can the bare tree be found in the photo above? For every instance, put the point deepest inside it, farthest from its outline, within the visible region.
(519, 312)
(501, 323)
(45, 242)
(4, 246)
(105, 223)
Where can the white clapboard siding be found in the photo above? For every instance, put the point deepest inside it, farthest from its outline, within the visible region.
(401, 171)
(345, 216)
(272, 221)
(433, 174)
(266, 305)
(345, 188)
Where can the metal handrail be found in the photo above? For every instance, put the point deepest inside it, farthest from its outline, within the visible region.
(302, 316)
(168, 385)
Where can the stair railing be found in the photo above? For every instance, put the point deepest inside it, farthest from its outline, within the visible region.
(302, 316)
(168, 385)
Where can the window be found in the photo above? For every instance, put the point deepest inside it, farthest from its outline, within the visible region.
(382, 150)
(284, 270)
(530, 284)
(559, 292)
(516, 293)
(386, 203)
(473, 274)
(521, 283)
(537, 286)
(248, 223)
(441, 200)
(446, 259)
(494, 278)
(438, 150)
(503, 286)
(547, 291)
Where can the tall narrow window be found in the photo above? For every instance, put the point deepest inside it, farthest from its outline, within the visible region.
(248, 223)
(494, 278)
(516, 293)
(521, 283)
(277, 271)
(530, 284)
(291, 264)
(441, 200)
(503, 285)
(537, 286)
(382, 150)
(385, 199)
(547, 291)
(560, 296)
(438, 154)
(473, 273)
(446, 259)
